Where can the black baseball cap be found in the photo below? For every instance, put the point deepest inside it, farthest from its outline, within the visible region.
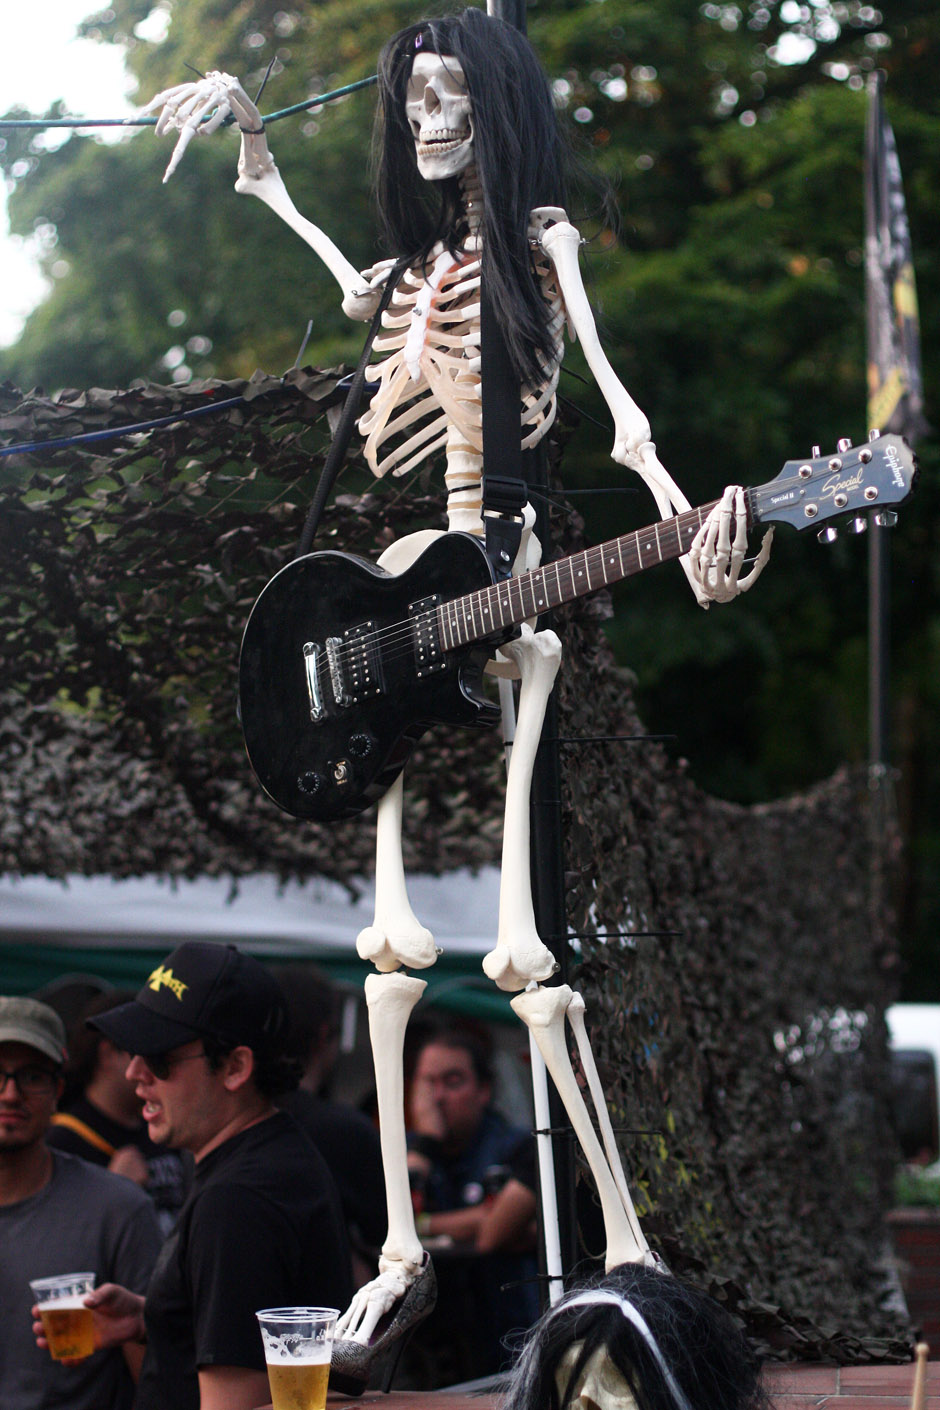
(201, 990)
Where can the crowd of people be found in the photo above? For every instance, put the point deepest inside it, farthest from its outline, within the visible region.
(180, 1144)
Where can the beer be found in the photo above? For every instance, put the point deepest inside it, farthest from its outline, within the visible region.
(298, 1385)
(298, 1345)
(68, 1327)
(67, 1323)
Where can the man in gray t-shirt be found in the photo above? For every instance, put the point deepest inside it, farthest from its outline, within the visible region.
(58, 1214)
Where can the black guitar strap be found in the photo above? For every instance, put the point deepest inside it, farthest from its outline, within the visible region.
(504, 489)
(344, 427)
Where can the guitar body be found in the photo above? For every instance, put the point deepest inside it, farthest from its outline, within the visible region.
(333, 691)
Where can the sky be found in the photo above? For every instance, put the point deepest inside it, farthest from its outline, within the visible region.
(41, 60)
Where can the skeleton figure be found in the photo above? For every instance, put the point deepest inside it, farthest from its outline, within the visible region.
(465, 106)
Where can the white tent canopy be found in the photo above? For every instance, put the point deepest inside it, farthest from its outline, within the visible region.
(292, 919)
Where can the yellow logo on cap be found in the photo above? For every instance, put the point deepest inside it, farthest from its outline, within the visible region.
(165, 979)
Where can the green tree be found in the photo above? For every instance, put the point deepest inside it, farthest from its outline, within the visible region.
(732, 302)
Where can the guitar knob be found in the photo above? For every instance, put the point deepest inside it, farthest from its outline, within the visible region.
(309, 782)
(361, 745)
(828, 535)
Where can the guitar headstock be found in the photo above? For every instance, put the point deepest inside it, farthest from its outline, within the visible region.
(852, 481)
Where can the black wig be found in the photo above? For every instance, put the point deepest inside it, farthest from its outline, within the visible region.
(673, 1345)
(521, 160)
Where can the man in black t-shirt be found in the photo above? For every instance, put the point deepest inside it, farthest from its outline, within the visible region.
(261, 1226)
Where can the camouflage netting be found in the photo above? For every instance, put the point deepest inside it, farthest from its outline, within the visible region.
(733, 962)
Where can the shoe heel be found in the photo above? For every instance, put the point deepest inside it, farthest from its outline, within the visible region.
(395, 1356)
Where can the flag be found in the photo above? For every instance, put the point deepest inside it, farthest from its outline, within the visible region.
(895, 388)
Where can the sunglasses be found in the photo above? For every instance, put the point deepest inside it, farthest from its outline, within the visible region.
(162, 1065)
(29, 1081)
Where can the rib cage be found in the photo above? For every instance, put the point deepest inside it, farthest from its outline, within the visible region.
(410, 417)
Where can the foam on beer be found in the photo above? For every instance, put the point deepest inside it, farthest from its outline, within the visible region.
(276, 1354)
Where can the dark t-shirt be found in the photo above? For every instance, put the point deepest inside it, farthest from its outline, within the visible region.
(494, 1295)
(350, 1145)
(456, 1182)
(169, 1172)
(261, 1228)
(82, 1219)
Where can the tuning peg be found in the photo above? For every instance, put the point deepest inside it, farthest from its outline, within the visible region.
(828, 535)
(816, 452)
(843, 444)
(874, 435)
(858, 525)
(885, 518)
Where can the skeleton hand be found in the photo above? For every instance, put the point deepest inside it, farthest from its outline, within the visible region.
(201, 107)
(715, 559)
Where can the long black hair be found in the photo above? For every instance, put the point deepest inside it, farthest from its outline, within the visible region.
(521, 159)
(675, 1347)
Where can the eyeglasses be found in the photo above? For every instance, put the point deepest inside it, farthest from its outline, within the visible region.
(29, 1081)
(161, 1066)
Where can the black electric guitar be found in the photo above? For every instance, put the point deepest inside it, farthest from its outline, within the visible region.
(344, 666)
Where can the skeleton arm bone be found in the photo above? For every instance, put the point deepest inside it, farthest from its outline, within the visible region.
(259, 176)
(561, 242)
(196, 109)
(714, 563)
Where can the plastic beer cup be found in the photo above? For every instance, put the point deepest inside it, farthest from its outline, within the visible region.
(67, 1323)
(298, 1345)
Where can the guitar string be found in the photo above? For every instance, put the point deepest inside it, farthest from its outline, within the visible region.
(402, 634)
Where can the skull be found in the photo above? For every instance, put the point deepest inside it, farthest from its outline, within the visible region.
(599, 1387)
(437, 106)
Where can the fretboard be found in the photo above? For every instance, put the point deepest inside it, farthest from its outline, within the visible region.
(488, 611)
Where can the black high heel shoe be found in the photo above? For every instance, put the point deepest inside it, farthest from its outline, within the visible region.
(354, 1363)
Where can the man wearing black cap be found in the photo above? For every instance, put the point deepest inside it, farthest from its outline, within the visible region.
(261, 1226)
(58, 1214)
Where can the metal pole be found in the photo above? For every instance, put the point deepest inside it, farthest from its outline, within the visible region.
(547, 850)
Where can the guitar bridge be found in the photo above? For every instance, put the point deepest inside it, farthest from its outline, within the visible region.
(353, 660)
(311, 658)
(427, 639)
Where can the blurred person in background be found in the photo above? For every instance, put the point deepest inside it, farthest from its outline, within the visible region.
(100, 1115)
(346, 1138)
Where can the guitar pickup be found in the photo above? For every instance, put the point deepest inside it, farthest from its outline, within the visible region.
(354, 664)
(427, 638)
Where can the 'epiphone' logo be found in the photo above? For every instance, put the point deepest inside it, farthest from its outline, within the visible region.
(894, 465)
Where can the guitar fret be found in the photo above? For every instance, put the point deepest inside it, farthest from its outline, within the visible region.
(477, 622)
(558, 593)
(486, 611)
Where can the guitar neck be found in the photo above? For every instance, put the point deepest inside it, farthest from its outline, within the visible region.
(484, 612)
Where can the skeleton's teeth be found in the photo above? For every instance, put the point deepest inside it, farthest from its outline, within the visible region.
(444, 141)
